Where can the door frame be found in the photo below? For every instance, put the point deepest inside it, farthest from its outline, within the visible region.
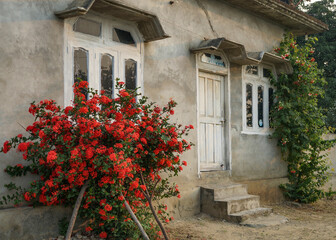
(224, 72)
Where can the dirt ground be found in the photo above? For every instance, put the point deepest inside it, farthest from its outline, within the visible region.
(315, 221)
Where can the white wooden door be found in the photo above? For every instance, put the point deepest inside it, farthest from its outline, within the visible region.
(211, 122)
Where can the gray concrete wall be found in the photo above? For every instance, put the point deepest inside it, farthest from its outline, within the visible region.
(32, 69)
(31, 66)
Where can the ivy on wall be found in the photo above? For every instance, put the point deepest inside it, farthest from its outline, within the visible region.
(298, 121)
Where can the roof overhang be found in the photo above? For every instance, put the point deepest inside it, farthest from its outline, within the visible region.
(148, 23)
(294, 20)
(236, 53)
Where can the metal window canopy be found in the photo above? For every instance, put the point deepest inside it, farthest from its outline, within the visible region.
(237, 54)
(148, 23)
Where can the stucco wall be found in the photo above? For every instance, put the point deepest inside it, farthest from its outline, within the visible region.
(32, 69)
(31, 66)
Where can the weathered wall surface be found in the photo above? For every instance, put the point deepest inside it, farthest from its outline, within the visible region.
(31, 66)
(32, 69)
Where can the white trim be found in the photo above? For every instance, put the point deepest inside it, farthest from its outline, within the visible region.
(97, 46)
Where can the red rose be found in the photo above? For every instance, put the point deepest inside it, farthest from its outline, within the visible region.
(103, 235)
(19, 165)
(52, 156)
(6, 147)
(108, 207)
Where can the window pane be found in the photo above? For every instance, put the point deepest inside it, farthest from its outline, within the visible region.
(131, 74)
(261, 106)
(252, 69)
(106, 74)
(86, 26)
(123, 36)
(80, 64)
(249, 115)
(267, 73)
(270, 104)
(212, 59)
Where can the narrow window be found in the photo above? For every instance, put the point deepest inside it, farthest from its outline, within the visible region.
(261, 106)
(249, 112)
(123, 37)
(131, 74)
(252, 69)
(80, 65)
(267, 73)
(106, 74)
(270, 104)
(86, 26)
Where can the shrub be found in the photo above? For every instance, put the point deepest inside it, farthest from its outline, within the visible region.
(114, 149)
(298, 122)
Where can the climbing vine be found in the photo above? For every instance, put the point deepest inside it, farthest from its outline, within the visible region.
(298, 122)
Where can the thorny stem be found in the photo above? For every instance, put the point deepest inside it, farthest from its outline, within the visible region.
(149, 199)
(135, 219)
(75, 211)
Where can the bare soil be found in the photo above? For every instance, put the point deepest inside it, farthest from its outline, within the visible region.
(315, 221)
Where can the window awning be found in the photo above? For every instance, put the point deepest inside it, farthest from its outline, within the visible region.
(148, 23)
(237, 54)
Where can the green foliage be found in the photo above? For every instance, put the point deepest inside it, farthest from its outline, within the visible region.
(330, 194)
(63, 226)
(299, 123)
(325, 55)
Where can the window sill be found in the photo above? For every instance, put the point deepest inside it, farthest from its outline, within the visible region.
(267, 133)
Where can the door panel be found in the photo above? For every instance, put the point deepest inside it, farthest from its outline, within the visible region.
(211, 121)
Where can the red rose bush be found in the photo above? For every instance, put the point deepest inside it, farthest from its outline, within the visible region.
(120, 152)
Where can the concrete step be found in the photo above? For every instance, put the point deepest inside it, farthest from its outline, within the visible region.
(231, 201)
(265, 221)
(240, 203)
(229, 190)
(214, 177)
(245, 216)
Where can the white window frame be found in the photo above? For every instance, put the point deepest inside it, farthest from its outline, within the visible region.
(96, 46)
(256, 81)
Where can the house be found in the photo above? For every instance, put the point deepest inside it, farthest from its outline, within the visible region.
(214, 57)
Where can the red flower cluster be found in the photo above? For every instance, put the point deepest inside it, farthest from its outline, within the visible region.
(118, 146)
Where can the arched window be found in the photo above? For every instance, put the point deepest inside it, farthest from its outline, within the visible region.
(99, 50)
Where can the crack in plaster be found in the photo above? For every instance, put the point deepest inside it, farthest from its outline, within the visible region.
(200, 4)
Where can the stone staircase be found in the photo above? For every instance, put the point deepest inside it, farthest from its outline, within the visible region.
(229, 200)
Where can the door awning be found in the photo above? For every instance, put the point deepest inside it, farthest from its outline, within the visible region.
(148, 23)
(237, 54)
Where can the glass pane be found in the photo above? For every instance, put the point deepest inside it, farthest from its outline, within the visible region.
(123, 36)
(267, 73)
(106, 74)
(212, 59)
(131, 74)
(270, 103)
(86, 26)
(261, 106)
(80, 64)
(252, 69)
(249, 115)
